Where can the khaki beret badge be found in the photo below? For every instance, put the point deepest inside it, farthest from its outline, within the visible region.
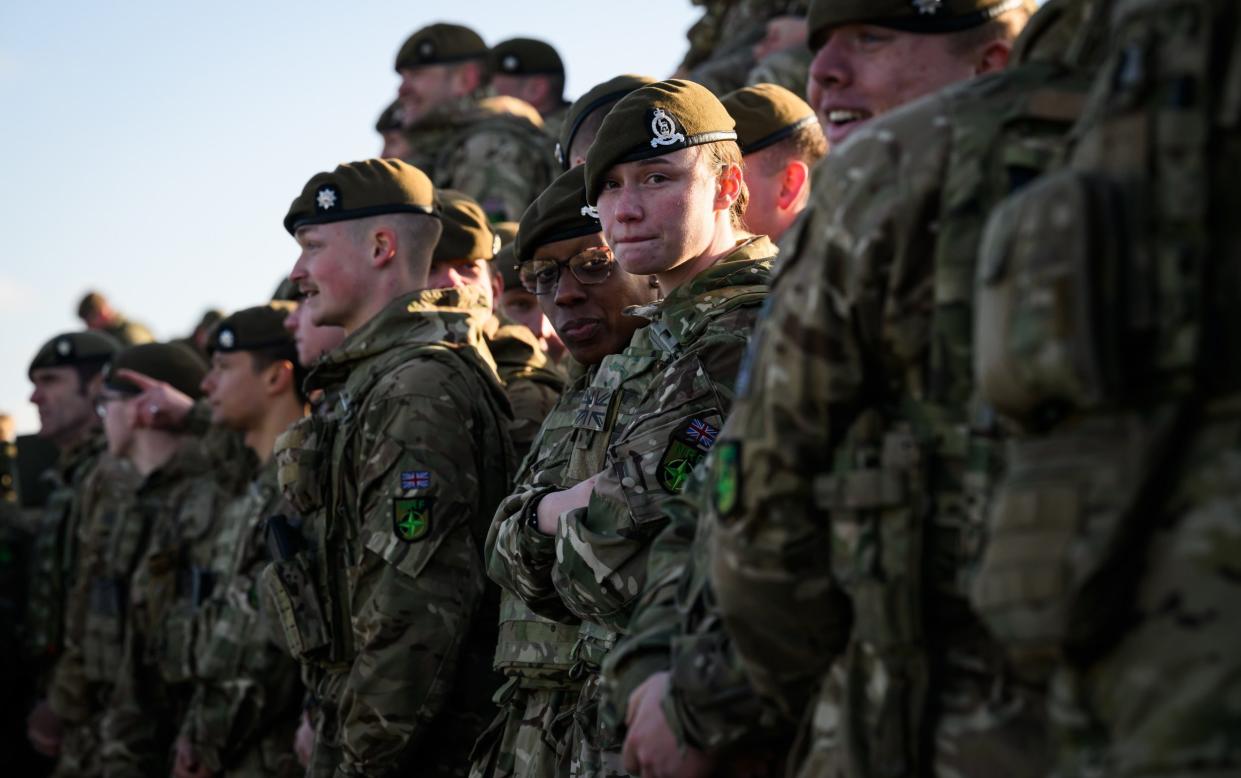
(64, 347)
(426, 49)
(591, 211)
(559, 153)
(510, 63)
(226, 339)
(326, 198)
(664, 129)
(929, 7)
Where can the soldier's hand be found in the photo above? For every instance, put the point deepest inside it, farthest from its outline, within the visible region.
(187, 764)
(651, 749)
(304, 740)
(160, 406)
(556, 503)
(44, 729)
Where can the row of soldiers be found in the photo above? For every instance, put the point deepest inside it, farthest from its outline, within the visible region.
(946, 484)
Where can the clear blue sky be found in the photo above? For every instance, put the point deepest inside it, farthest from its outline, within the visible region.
(150, 149)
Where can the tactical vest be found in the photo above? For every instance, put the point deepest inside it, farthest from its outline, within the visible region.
(906, 485)
(1105, 291)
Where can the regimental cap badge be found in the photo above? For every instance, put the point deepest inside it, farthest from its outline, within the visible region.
(591, 211)
(510, 63)
(928, 7)
(326, 198)
(559, 153)
(495, 243)
(227, 338)
(664, 129)
(426, 50)
(64, 347)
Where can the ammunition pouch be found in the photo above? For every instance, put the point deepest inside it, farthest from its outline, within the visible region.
(302, 463)
(290, 586)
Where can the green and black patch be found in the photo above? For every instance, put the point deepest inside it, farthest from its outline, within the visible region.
(727, 489)
(687, 446)
(411, 517)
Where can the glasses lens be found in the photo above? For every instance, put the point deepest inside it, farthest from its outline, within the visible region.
(101, 409)
(593, 266)
(539, 276)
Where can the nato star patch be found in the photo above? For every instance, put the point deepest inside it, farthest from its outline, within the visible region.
(411, 518)
(687, 446)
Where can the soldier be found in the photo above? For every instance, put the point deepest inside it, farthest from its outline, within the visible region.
(722, 42)
(665, 174)
(464, 258)
(782, 56)
(531, 70)
(518, 304)
(98, 314)
(484, 148)
(844, 536)
(66, 374)
(390, 126)
(247, 691)
(388, 608)
(581, 123)
(781, 140)
(586, 301)
(1106, 338)
(157, 567)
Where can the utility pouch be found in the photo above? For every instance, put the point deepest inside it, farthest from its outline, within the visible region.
(290, 586)
(302, 465)
(104, 631)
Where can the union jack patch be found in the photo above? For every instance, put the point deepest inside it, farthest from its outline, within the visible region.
(699, 433)
(592, 411)
(415, 479)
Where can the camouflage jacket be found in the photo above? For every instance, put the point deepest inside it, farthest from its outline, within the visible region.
(168, 527)
(500, 159)
(847, 488)
(721, 42)
(531, 382)
(789, 68)
(399, 482)
(53, 554)
(129, 333)
(247, 691)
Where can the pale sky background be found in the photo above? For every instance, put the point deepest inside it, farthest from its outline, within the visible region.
(150, 149)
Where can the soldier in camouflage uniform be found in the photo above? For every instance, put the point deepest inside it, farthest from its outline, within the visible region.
(391, 128)
(247, 691)
(157, 566)
(782, 56)
(581, 552)
(66, 376)
(464, 258)
(532, 734)
(482, 147)
(781, 141)
(98, 314)
(517, 303)
(1106, 337)
(845, 492)
(722, 42)
(674, 631)
(581, 123)
(531, 70)
(389, 609)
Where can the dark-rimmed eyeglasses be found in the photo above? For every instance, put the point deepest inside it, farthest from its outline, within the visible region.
(592, 266)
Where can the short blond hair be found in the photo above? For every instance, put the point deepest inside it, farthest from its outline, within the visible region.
(720, 156)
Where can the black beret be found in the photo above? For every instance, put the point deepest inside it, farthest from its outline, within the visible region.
(657, 119)
(252, 329)
(440, 44)
(526, 57)
(390, 119)
(467, 233)
(173, 363)
(506, 260)
(600, 96)
(766, 114)
(917, 16)
(88, 347)
(559, 213)
(356, 190)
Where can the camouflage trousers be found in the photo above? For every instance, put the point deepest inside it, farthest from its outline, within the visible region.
(79, 750)
(1165, 698)
(530, 737)
(591, 755)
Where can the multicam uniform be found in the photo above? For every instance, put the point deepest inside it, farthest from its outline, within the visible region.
(648, 416)
(720, 54)
(531, 382)
(391, 612)
(248, 693)
(530, 736)
(164, 534)
(847, 488)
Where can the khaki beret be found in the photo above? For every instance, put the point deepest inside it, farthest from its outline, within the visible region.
(173, 363)
(657, 119)
(506, 260)
(600, 96)
(88, 347)
(917, 16)
(766, 114)
(526, 57)
(440, 44)
(467, 233)
(559, 213)
(356, 190)
(252, 329)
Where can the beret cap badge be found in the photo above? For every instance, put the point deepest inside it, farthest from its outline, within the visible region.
(64, 347)
(664, 129)
(929, 7)
(426, 49)
(227, 339)
(326, 198)
(510, 63)
(590, 211)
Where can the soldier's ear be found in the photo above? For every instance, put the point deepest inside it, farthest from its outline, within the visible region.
(383, 246)
(795, 186)
(728, 188)
(992, 57)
